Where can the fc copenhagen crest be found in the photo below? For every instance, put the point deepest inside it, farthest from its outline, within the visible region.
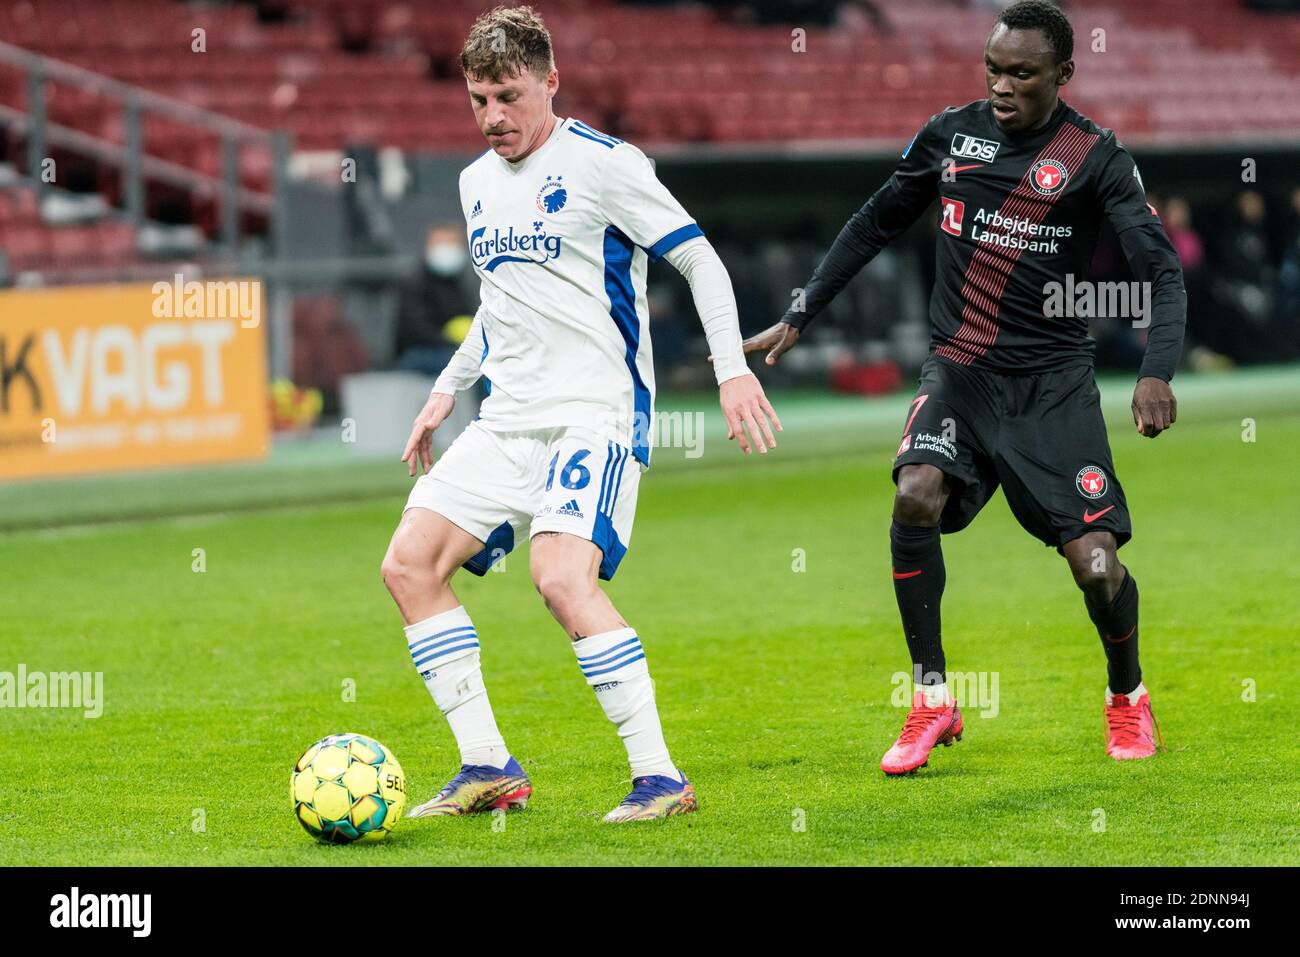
(552, 196)
(1091, 482)
(1049, 176)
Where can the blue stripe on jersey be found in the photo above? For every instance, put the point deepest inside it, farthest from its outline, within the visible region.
(674, 239)
(594, 139)
(622, 307)
(595, 132)
(483, 329)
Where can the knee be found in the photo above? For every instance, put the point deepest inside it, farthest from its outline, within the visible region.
(920, 497)
(1098, 577)
(561, 588)
(1095, 566)
(1089, 580)
(398, 573)
(405, 572)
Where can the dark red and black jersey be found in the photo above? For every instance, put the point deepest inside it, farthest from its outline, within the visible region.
(1018, 223)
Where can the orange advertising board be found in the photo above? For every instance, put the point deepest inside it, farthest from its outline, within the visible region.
(108, 378)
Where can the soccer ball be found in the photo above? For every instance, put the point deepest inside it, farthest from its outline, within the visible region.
(346, 788)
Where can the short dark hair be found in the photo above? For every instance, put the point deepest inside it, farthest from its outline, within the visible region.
(1045, 16)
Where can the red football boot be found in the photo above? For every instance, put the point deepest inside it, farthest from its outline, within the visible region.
(1131, 728)
(924, 728)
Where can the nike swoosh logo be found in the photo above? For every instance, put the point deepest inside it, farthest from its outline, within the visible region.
(901, 575)
(958, 169)
(1090, 517)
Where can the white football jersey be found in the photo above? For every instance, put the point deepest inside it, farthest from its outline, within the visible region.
(560, 241)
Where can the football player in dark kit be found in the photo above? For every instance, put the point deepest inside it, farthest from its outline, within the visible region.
(1007, 393)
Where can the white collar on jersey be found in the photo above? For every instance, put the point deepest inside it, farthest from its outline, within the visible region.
(528, 160)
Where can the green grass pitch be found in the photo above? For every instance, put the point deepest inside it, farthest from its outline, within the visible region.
(775, 685)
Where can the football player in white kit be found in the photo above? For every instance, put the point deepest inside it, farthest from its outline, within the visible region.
(561, 221)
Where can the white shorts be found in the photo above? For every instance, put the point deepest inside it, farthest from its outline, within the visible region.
(496, 484)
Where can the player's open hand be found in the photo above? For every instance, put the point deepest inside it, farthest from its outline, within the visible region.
(1154, 406)
(745, 406)
(777, 341)
(419, 447)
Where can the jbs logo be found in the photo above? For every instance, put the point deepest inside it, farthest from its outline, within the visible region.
(972, 147)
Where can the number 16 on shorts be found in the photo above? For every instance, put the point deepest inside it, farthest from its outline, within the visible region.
(590, 492)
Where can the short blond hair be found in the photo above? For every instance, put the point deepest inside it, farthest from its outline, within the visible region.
(503, 42)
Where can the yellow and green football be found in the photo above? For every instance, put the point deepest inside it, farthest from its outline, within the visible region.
(346, 788)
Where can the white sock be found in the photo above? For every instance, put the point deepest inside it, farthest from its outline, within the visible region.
(445, 651)
(614, 664)
(936, 696)
(1132, 696)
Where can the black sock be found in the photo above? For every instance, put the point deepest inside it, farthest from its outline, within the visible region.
(1118, 627)
(919, 578)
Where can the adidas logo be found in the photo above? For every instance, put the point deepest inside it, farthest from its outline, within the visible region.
(570, 509)
(478, 208)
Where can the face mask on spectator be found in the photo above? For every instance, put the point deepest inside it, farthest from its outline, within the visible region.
(445, 259)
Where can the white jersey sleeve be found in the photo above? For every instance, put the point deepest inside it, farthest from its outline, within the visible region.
(638, 205)
(463, 370)
(715, 302)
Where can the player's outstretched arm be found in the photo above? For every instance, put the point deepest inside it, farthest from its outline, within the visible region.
(419, 447)
(889, 212)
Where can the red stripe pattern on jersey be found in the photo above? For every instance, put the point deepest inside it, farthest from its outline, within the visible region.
(991, 265)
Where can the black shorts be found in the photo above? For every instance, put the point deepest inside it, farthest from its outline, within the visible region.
(1041, 437)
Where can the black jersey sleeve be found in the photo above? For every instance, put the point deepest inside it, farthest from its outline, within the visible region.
(1151, 257)
(886, 215)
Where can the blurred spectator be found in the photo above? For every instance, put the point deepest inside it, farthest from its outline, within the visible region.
(1209, 330)
(1288, 280)
(1245, 249)
(1243, 286)
(1178, 224)
(439, 295)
